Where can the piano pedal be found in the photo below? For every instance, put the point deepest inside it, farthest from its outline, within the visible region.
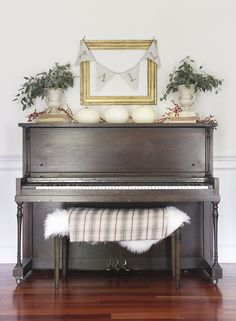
(109, 266)
(125, 266)
(117, 265)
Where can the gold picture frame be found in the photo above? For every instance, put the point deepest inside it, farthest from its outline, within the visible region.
(85, 96)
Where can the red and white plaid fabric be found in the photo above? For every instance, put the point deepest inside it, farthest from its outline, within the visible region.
(104, 224)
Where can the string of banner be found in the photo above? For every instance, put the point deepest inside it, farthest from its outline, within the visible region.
(104, 75)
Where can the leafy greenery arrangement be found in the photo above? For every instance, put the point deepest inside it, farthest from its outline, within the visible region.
(59, 76)
(186, 75)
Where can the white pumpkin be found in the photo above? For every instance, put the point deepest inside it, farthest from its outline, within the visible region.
(116, 114)
(87, 116)
(144, 114)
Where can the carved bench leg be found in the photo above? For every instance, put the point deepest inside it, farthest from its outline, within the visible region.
(56, 261)
(177, 259)
(65, 255)
(173, 255)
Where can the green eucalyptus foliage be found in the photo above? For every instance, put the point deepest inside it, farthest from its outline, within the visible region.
(186, 75)
(57, 77)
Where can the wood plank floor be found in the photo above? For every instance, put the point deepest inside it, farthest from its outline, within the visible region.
(100, 296)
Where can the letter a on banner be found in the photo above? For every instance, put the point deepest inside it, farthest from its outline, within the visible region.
(84, 54)
(103, 76)
(152, 52)
(131, 76)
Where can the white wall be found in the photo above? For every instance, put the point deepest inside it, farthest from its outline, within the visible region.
(10, 168)
(35, 34)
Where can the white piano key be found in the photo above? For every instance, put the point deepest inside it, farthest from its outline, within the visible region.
(121, 187)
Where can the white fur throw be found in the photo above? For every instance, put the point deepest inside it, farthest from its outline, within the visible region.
(57, 223)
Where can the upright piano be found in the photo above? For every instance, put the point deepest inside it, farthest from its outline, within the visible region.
(141, 165)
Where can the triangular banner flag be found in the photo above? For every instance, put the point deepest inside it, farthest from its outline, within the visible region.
(84, 54)
(103, 75)
(131, 76)
(152, 52)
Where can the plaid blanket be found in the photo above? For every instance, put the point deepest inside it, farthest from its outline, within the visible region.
(104, 224)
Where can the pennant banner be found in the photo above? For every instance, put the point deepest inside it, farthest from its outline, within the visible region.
(84, 54)
(131, 76)
(152, 52)
(104, 75)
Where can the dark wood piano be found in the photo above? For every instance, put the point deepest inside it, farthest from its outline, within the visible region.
(119, 165)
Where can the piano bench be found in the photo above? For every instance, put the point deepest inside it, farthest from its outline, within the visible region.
(133, 228)
(63, 241)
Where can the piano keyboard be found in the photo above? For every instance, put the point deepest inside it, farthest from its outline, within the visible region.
(121, 187)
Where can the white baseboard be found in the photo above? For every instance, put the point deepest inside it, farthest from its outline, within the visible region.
(224, 163)
(10, 162)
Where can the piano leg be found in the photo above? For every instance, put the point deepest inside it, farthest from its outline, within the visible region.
(23, 265)
(216, 268)
(17, 271)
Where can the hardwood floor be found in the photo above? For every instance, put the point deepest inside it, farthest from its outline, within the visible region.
(100, 296)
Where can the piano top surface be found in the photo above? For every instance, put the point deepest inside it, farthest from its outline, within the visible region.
(127, 125)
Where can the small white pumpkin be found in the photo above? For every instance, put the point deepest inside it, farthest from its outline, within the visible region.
(87, 116)
(116, 114)
(144, 114)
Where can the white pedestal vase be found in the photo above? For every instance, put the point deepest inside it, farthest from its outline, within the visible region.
(54, 99)
(186, 98)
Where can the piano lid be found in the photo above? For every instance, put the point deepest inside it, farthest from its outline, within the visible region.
(175, 150)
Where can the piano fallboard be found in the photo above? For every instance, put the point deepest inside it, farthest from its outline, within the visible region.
(37, 190)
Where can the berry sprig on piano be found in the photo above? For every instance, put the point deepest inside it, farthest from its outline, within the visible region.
(34, 115)
(69, 113)
(175, 110)
(209, 120)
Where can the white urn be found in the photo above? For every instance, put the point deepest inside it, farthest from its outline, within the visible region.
(186, 96)
(116, 114)
(54, 99)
